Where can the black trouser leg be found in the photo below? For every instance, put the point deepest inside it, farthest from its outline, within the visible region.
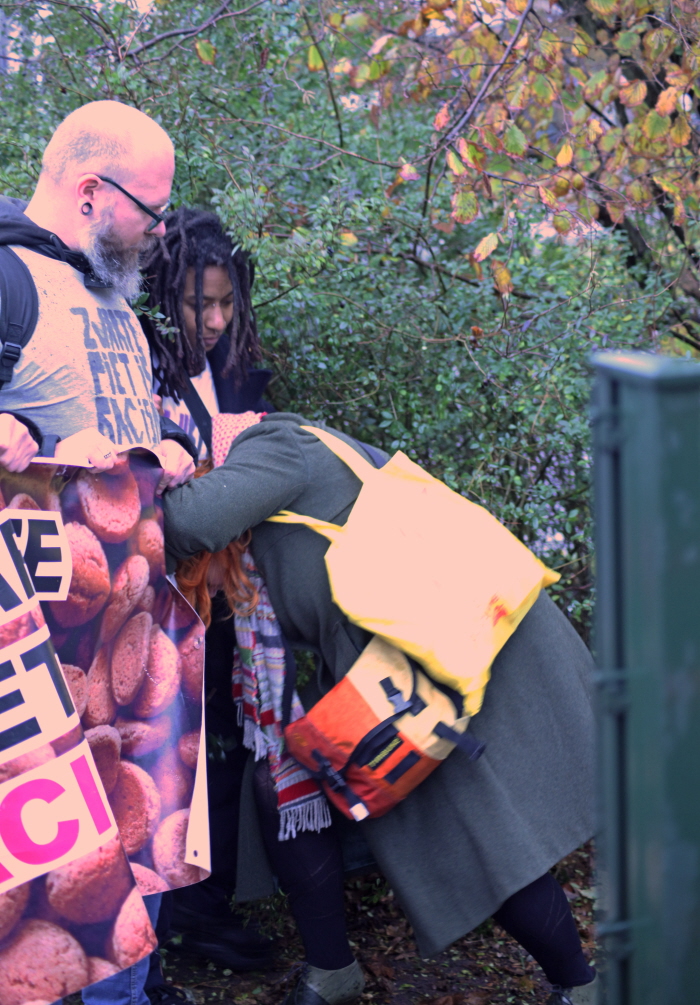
(540, 919)
(309, 868)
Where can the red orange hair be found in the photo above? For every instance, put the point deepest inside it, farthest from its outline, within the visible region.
(192, 574)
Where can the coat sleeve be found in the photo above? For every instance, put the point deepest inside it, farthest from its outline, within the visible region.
(264, 472)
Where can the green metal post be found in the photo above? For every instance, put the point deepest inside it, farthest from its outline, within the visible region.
(646, 415)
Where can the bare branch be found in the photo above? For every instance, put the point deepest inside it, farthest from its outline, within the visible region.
(328, 79)
(219, 15)
(313, 139)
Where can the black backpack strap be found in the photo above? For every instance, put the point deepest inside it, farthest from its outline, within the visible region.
(19, 310)
(290, 682)
(198, 411)
(376, 456)
(170, 430)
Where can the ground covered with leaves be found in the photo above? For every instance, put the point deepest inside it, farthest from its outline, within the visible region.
(485, 968)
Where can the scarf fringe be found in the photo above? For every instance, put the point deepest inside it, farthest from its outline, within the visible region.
(254, 739)
(312, 816)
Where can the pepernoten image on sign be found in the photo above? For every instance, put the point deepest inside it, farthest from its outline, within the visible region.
(102, 764)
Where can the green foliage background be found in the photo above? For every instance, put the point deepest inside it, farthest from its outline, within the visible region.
(371, 314)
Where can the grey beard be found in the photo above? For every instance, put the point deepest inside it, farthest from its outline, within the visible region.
(113, 263)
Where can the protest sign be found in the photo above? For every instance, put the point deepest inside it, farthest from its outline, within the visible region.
(102, 763)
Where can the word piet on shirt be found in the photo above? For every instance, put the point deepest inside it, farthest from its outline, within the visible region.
(120, 372)
(53, 808)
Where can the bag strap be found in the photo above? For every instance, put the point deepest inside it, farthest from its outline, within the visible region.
(198, 411)
(290, 681)
(357, 464)
(330, 530)
(19, 310)
(466, 742)
(375, 455)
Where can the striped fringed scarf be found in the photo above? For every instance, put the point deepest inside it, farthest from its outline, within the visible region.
(258, 684)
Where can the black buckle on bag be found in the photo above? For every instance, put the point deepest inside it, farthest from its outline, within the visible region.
(395, 696)
(327, 773)
(414, 704)
(11, 352)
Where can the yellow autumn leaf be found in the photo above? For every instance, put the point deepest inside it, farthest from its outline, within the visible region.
(680, 132)
(563, 222)
(357, 21)
(565, 155)
(465, 14)
(501, 277)
(604, 7)
(379, 44)
(666, 101)
(655, 126)
(677, 76)
(465, 206)
(348, 238)
(678, 212)
(547, 196)
(408, 173)
(616, 211)
(633, 94)
(442, 117)
(342, 66)
(594, 130)
(454, 163)
(486, 246)
(205, 51)
(477, 267)
(313, 59)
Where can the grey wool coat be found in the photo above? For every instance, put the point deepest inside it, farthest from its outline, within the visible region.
(472, 834)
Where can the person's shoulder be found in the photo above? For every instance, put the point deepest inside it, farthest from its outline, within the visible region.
(290, 426)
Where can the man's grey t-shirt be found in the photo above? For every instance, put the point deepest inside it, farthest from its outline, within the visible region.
(87, 363)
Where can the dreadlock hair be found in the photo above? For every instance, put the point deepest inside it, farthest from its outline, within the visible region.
(195, 239)
(191, 573)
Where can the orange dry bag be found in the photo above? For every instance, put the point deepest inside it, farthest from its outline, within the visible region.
(379, 732)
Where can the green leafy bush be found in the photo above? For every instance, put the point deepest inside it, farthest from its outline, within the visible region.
(375, 309)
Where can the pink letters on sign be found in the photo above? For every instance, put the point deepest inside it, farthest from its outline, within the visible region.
(12, 829)
(93, 800)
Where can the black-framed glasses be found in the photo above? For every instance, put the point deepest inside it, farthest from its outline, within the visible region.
(156, 217)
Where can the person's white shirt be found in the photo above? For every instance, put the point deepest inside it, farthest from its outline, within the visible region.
(203, 384)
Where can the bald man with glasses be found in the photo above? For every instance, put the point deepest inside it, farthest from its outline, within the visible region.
(84, 377)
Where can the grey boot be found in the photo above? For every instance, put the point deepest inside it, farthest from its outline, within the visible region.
(585, 994)
(327, 987)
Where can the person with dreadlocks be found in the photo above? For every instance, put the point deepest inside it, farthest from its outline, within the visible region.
(201, 282)
(201, 360)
